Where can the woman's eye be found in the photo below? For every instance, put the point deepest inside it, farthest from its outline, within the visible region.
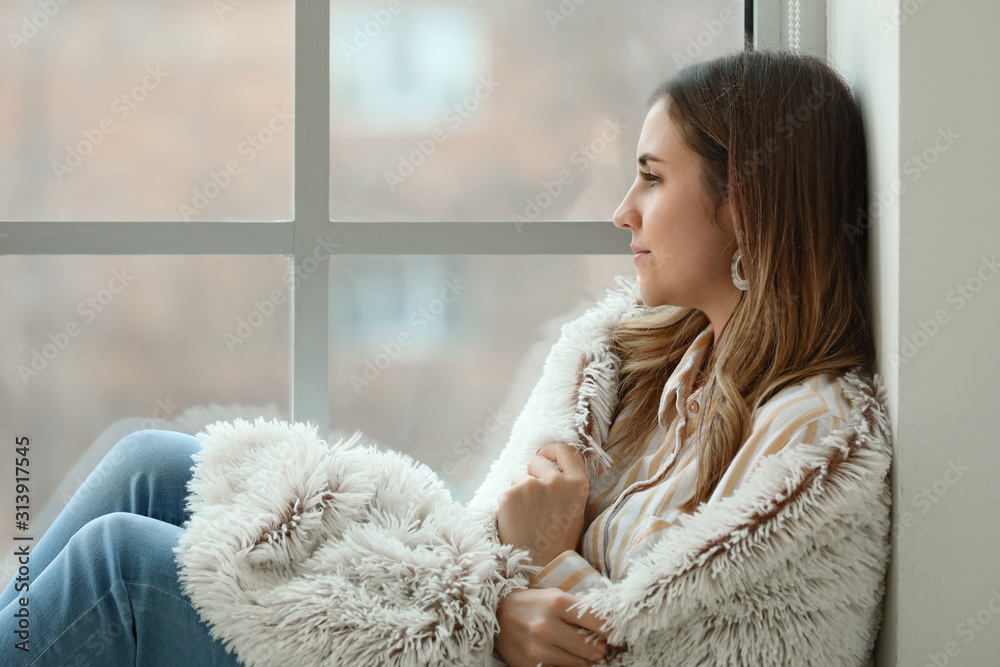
(649, 176)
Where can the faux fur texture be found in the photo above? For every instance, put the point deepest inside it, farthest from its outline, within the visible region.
(303, 553)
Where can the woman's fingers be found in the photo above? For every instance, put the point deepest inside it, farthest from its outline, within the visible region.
(532, 631)
(587, 619)
(542, 466)
(517, 479)
(568, 457)
(566, 630)
(571, 461)
(562, 643)
(574, 642)
(558, 657)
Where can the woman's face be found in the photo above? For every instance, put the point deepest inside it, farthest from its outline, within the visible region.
(683, 243)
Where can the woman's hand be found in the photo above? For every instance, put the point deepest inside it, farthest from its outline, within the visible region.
(536, 628)
(542, 511)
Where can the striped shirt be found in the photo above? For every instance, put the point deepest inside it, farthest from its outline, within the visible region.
(634, 502)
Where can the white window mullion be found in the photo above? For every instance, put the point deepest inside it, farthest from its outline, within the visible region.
(543, 237)
(310, 305)
(90, 237)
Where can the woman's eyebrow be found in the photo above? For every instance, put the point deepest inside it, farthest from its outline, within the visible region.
(649, 157)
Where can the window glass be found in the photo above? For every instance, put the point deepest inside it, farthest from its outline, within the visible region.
(152, 110)
(89, 341)
(434, 356)
(502, 109)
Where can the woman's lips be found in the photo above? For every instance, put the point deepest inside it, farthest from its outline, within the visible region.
(639, 253)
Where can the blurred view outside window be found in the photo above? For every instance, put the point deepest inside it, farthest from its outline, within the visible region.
(519, 111)
(489, 109)
(435, 356)
(151, 110)
(182, 110)
(138, 111)
(91, 340)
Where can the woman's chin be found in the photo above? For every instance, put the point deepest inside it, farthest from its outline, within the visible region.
(650, 297)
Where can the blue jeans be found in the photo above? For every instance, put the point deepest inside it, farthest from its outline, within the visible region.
(103, 579)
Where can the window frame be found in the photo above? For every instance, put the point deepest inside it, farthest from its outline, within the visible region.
(296, 239)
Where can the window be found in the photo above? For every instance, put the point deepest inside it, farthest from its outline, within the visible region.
(486, 143)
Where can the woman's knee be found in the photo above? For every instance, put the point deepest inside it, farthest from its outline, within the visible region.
(131, 545)
(151, 450)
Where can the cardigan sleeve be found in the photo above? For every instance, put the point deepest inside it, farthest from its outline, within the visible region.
(570, 572)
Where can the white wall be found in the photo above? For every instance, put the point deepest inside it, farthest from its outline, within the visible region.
(922, 72)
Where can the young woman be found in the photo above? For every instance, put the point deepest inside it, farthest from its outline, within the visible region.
(747, 217)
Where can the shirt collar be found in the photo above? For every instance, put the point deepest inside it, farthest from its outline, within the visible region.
(678, 386)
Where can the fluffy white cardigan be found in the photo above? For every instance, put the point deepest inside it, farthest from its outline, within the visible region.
(303, 553)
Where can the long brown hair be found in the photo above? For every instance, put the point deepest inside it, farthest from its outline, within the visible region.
(780, 135)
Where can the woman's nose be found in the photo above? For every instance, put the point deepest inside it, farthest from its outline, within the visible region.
(626, 215)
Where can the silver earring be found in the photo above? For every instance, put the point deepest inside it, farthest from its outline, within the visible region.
(739, 282)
